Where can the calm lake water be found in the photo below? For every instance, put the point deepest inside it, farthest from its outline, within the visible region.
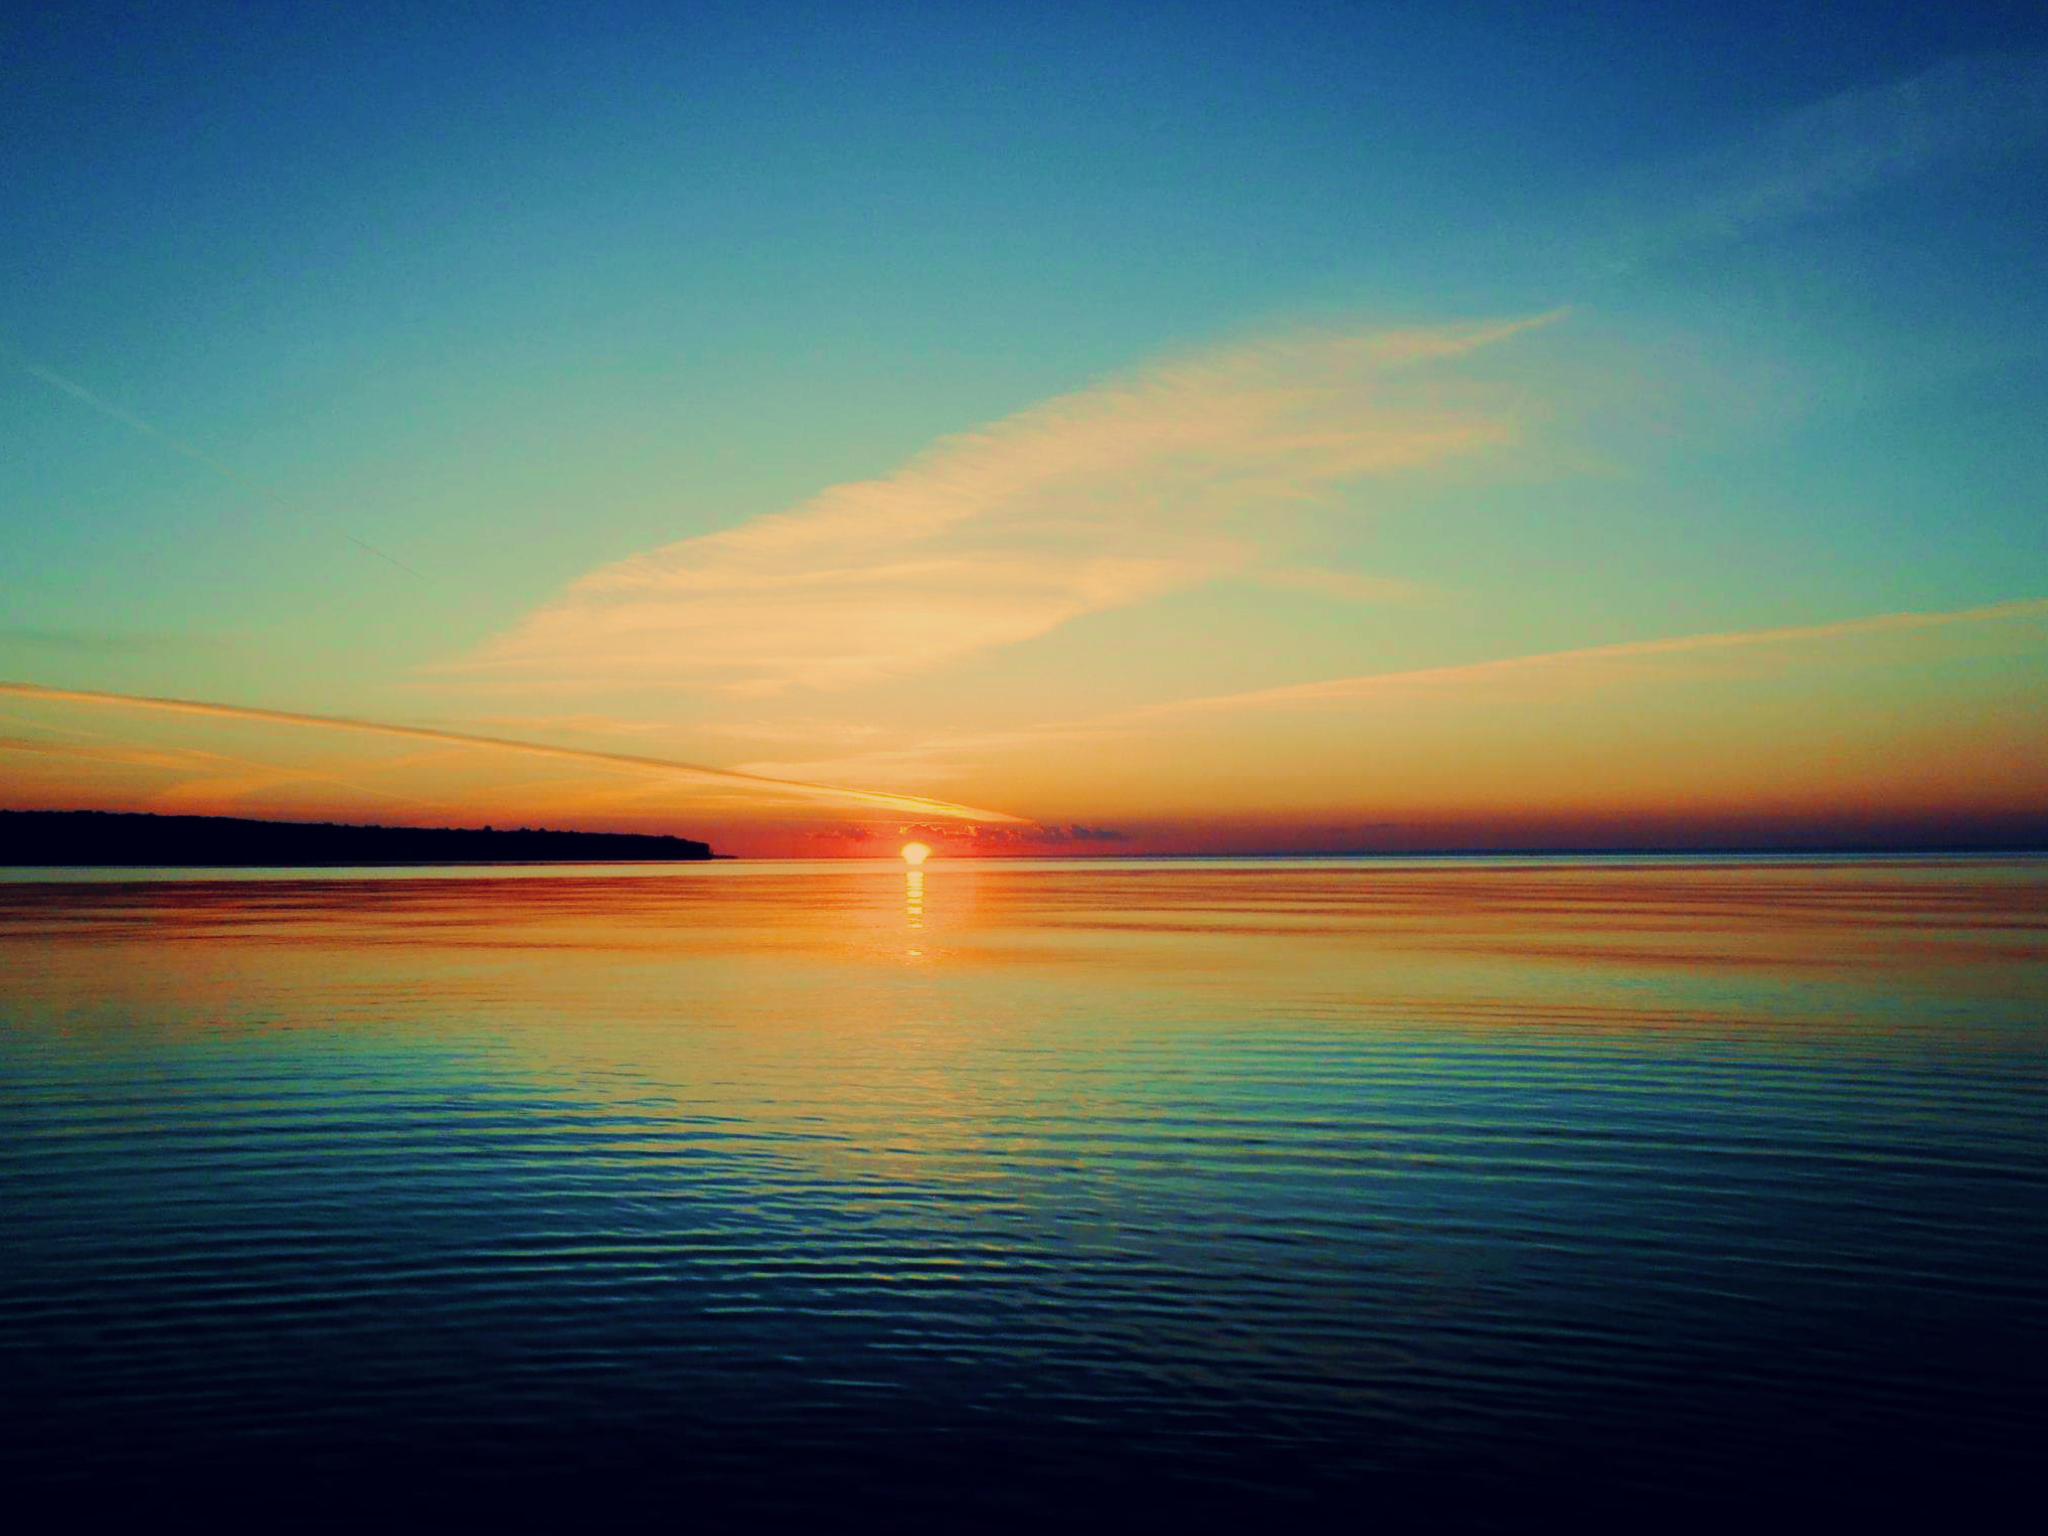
(1008, 1189)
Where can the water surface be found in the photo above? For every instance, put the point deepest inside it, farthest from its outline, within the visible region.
(1007, 1189)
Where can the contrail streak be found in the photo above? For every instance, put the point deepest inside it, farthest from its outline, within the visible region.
(833, 794)
(107, 408)
(1344, 689)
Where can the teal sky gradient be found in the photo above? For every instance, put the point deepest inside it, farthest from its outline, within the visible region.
(517, 293)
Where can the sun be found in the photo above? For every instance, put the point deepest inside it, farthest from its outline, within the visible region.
(915, 853)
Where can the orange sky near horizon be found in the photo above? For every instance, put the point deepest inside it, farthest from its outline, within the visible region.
(1327, 431)
(1898, 729)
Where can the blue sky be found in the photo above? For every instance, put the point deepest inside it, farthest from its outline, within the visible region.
(515, 293)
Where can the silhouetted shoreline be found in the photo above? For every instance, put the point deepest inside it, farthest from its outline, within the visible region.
(122, 838)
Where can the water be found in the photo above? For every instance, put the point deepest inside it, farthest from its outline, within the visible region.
(1017, 1189)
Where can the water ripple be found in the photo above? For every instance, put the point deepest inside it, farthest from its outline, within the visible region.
(1287, 1184)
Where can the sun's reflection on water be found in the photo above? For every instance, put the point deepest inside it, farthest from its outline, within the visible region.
(913, 905)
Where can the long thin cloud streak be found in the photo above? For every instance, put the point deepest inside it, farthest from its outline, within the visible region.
(1147, 484)
(129, 419)
(947, 755)
(1338, 690)
(831, 794)
(1963, 112)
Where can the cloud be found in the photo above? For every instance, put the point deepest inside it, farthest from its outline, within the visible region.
(944, 756)
(1037, 835)
(1157, 481)
(1080, 834)
(760, 785)
(1584, 660)
(1962, 113)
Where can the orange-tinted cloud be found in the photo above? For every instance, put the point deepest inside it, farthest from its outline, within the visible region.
(1132, 488)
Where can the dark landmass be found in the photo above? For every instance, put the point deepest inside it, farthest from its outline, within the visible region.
(112, 837)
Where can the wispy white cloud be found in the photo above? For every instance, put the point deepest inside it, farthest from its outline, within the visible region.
(1962, 113)
(1135, 487)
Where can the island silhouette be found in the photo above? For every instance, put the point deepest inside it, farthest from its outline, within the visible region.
(120, 837)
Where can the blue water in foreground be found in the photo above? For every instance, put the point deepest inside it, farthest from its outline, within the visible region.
(1267, 1189)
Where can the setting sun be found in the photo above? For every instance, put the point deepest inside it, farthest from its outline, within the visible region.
(915, 853)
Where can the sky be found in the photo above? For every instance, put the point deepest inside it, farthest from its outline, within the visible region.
(1082, 429)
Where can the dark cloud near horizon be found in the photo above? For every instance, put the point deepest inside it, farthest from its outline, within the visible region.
(1045, 833)
(1053, 834)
